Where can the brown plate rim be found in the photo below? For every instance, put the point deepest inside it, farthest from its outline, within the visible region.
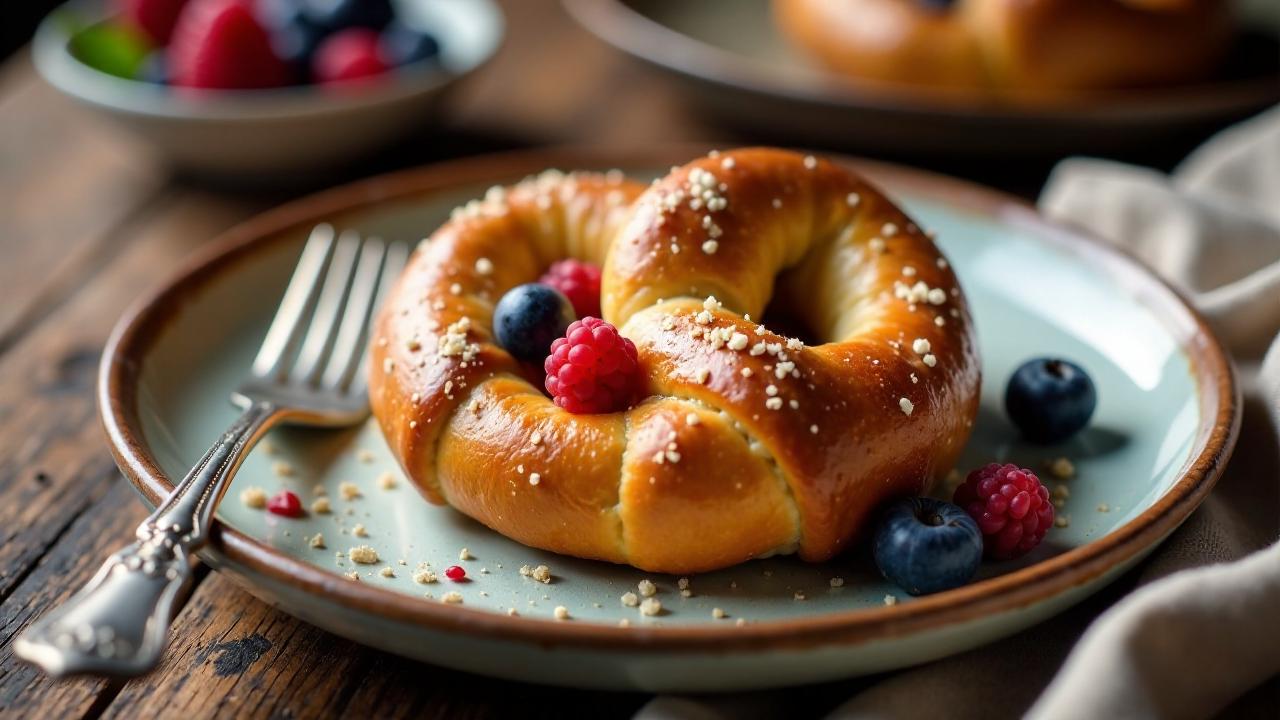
(137, 330)
(627, 29)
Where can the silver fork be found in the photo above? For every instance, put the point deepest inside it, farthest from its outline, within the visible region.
(309, 371)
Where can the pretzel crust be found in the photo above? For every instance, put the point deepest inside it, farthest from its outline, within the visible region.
(749, 443)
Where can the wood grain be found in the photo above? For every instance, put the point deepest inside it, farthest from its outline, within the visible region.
(53, 465)
(71, 562)
(68, 186)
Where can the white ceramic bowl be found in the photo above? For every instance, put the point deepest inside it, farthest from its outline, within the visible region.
(256, 133)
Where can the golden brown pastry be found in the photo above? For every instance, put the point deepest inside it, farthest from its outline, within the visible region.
(1030, 49)
(748, 442)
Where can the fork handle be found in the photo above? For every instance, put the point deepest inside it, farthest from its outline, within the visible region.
(117, 624)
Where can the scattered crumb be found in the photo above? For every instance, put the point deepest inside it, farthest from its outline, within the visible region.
(465, 554)
(282, 468)
(624, 623)
(321, 506)
(1062, 521)
(387, 572)
(650, 606)
(740, 622)
(424, 577)
(1103, 507)
(364, 456)
(647, 588)
(561, 612)
(387, 481)
(630, 599)
(359, 531)
(348, 490)
(363, 554)
(890, 599)
(317, 541)
(267, 446)
(541, 573)
(837, 582)
(254, 497)
(798, 595)
(717, 613)
(453, 597)
(353, 575)
(512, 612)
(906, 405)
(1062, 468)
(319, 489)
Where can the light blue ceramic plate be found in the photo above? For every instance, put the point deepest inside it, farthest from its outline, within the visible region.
(1165, 424)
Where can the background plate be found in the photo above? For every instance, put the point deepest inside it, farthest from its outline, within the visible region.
(736, 66)
(1164, 426)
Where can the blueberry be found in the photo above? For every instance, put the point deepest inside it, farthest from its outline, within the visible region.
(341, 14)
(927, 546)
(1050, 399)
(295, 44)
(401, 44)
(529, 318)
(275, 14)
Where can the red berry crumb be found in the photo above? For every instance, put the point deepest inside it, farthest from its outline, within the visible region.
(1011, 507)
(592, 369)
(346, 55)
(285, 503)
(220, 44)
(455, 573)
(579, 281)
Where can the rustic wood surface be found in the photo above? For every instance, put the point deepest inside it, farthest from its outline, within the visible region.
(89, 221)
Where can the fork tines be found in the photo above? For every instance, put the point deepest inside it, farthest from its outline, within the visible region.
(319, 332)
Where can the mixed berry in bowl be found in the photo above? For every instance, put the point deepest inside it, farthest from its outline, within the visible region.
(254, 44)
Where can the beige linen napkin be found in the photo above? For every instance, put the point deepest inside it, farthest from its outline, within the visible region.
(1204, 627)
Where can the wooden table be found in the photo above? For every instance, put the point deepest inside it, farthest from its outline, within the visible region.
(90, 222)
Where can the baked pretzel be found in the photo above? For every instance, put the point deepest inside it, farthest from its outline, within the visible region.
(1030, 49)
(748, 442)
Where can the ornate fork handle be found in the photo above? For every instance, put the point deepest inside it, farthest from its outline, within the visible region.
(117, 624)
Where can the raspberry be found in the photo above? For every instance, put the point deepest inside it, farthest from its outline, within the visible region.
(285, 503)
(455, 573)
(579, 281)
(349, 54)
(592, 369)
(155, 18)
(1011, 507)
(220, 44)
